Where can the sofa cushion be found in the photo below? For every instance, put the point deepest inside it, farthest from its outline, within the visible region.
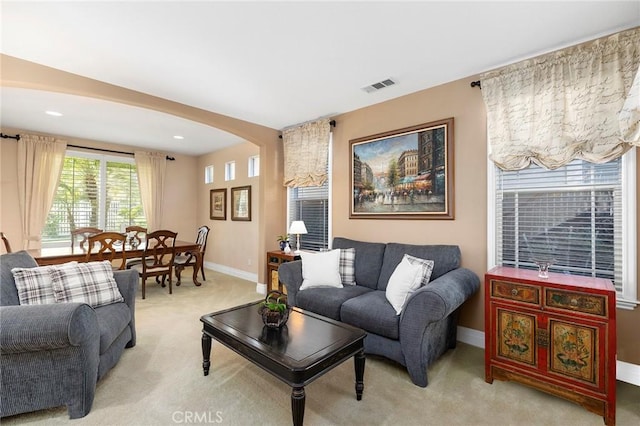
(368, 260)
(373, 313)
(91, 283)
(8, 290)
(112, 319)
(327, 301)
(34, 285)
(348, 266)
(445, 258)
(320, 269)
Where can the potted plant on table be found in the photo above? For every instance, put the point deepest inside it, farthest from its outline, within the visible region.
(274, 309)
(283, 240)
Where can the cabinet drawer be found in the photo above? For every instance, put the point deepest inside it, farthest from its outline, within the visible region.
(515, 291)
(579, 302)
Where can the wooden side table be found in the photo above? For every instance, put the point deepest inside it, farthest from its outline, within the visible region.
(557, 335)
(274, 259)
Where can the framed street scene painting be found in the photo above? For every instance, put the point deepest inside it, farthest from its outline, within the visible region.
(404, 174)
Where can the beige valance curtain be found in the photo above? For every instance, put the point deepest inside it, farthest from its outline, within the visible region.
(564, 105)
(306, 153)
(629, 117)
(40, 163)
(151, 168)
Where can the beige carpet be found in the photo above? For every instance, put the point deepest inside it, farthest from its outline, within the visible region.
(160, 381)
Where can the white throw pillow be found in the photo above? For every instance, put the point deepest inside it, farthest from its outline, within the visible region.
(321, 269)
(91, 283)
(406, 279)
(34, 285)
(427, 267)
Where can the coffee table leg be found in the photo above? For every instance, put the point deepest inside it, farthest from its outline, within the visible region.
(358, 361)
(297, 405)
(206, 353)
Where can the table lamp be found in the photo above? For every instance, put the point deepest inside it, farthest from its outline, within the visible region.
(297, 227)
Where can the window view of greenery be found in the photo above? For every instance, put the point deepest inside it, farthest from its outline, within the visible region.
(100, 192)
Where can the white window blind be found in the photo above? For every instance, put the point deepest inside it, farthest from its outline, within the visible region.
(254, 166)
(311, 205)
(230, 170)
(97, 191)
(572, 215)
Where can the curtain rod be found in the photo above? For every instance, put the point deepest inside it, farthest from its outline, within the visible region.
(3, 136)
(476, 84)
(17, 137)
(332, 123)
(111, 150)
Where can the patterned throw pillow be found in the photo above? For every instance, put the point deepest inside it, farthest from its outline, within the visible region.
(91, 283)
(34, 285)
(427, 267)
(348, 266)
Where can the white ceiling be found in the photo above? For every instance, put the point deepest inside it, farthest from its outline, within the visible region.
(271, 63)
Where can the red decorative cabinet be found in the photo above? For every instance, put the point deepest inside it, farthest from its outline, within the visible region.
(556, 334)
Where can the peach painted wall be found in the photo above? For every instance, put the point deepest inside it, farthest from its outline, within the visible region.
(469, 228)
(232, 244)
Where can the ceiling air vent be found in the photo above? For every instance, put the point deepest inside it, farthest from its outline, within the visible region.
(379, 85)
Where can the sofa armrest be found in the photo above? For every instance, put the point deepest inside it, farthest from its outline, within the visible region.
(127, 281)
(290, 274)
(30, 328)
(438, 299)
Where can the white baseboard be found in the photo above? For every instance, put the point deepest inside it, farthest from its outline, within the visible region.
(625, 371)
(232, 271)
(261, 288)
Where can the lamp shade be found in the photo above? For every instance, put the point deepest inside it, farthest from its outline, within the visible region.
(297, 227)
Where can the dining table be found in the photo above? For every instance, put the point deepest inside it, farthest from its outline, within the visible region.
(59, 255)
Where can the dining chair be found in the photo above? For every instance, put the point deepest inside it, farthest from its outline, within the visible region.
(135, 237)
(157, 258)
(81, 235)
(186, 259)
(7, 246)
(107, 246)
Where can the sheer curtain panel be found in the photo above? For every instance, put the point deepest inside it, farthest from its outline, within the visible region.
(40, 161)
(306, 150)
(564, 105)
(151, 174)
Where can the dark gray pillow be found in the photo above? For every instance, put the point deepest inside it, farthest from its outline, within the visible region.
(8, 290)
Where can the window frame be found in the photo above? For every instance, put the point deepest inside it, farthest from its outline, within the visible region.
(230, 171)
(209, 174)
(253, 166)
(103, 158)
(627, 298)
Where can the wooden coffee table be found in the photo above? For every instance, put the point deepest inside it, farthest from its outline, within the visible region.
(304, 349)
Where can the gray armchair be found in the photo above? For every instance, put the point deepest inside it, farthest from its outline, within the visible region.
(54, 354)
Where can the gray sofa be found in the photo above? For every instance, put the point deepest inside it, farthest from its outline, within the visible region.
(427, 326)
(53, 354)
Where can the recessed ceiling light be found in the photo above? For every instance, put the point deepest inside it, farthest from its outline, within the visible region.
(178, 137)
(54, 113)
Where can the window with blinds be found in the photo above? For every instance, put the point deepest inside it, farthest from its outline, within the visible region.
(311, 205)
(571, 216)
(97, 191)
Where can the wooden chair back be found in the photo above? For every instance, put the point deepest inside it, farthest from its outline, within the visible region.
(81, 236)
(136, 234)
(7, 246)
(186, 259)
(157, 259)
(108, 246)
